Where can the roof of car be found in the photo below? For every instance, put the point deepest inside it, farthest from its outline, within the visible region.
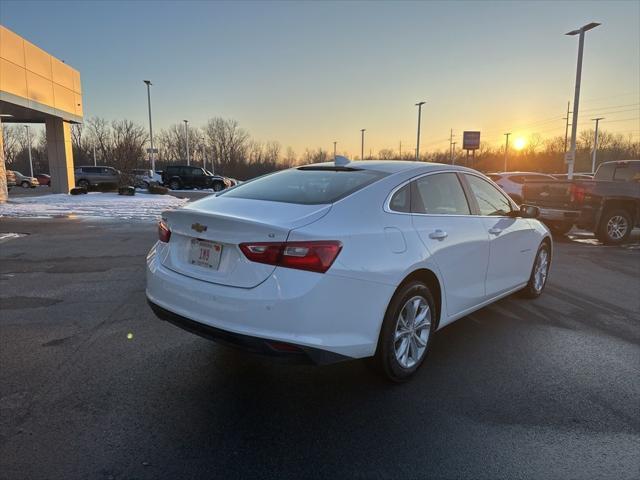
(520, 173)
(392, 166)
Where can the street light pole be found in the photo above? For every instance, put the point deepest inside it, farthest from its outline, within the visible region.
(506, 150)
(334, 150)
(151, 154)
(419, 105)
(29, 147)
(453, 153)
(362, 143)
(186, 138)
(595, 145)
(576, 99)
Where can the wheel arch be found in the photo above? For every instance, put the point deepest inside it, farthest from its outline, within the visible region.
(431, 280)
(629, 205)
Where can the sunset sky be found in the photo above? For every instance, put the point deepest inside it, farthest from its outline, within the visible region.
(306, 74)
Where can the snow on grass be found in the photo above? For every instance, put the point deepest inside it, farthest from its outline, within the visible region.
(106, 205)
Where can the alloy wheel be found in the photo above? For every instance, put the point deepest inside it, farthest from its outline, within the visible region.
(541, 270)
(617, 227)
(413, 328)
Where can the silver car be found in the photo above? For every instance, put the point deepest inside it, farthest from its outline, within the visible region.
(26, 181)
(512, 182)
(88, 176)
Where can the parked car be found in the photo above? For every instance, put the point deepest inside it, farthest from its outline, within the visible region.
(11, 179)
(608, 205)
(577, 176)
(330, 262)
(143, 178)
(91, 175)
(512, 182)
(44, 179)
(25, 181)
(177, 177)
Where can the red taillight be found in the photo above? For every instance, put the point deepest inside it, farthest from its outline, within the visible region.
(577, 193)
(164, 234)
(315, 256)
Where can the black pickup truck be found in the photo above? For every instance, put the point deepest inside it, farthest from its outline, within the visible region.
(608, 205)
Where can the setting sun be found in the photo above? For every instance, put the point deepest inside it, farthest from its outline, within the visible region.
(519, 143)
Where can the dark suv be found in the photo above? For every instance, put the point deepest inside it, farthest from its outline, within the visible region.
(182, 176)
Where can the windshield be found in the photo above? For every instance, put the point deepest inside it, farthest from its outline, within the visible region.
(305, 186)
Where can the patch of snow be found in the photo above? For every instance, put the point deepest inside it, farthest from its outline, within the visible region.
(9, 236)
(141, 206)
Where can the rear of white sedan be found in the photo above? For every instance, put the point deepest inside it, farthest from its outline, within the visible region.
(227, 268)
(330, 262)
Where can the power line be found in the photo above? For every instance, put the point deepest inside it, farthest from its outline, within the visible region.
(610, 107)
(624, 120)
(627, 94)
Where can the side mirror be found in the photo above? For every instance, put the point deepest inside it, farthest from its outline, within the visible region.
(529, 211)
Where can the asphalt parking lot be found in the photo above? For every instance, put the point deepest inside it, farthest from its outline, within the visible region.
(93, 386)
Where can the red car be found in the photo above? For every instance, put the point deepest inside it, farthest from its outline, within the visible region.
(44, 179)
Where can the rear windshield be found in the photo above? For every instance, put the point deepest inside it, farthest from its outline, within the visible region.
(305, 186)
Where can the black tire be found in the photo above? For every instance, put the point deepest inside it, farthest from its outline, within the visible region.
(83, 183)
(559, 228)
(615, 227)
(175, 184)
(218, 186)
(25, 184)
(385, 359)
(531, 291)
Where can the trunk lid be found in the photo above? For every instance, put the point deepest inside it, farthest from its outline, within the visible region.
(226, 223)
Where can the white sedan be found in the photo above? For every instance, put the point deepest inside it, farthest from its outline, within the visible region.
(334, 261)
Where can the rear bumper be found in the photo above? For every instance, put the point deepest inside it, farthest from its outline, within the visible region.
(245, 342)
(556, 215)
(329, 317)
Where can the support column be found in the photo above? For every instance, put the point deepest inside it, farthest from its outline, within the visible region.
(60, 154)
(3, 172)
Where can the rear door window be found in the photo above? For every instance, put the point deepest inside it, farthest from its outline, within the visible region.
(306, 185)
(439, 194)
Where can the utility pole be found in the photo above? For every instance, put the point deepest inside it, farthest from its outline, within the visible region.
(151, 155)
(204, 154)
(334, 150)
(453, 153)
(576, 99)
(362, 143)
(400, 150)
(506, 151)
(566, 127)
(29, 147)
(419, 105)
(186, 138)
(451, 147)
(595, 145)
(95, 162)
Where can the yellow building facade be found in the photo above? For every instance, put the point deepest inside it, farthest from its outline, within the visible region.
(36, 87)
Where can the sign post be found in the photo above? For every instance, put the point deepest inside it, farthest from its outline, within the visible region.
(471, 143)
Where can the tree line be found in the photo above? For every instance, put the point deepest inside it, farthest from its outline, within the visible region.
(223, 147)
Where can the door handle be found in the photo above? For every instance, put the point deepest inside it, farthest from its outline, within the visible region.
(438, 235)
(495, 231)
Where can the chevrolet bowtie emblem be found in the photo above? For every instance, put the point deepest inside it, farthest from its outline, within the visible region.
(199, 228)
